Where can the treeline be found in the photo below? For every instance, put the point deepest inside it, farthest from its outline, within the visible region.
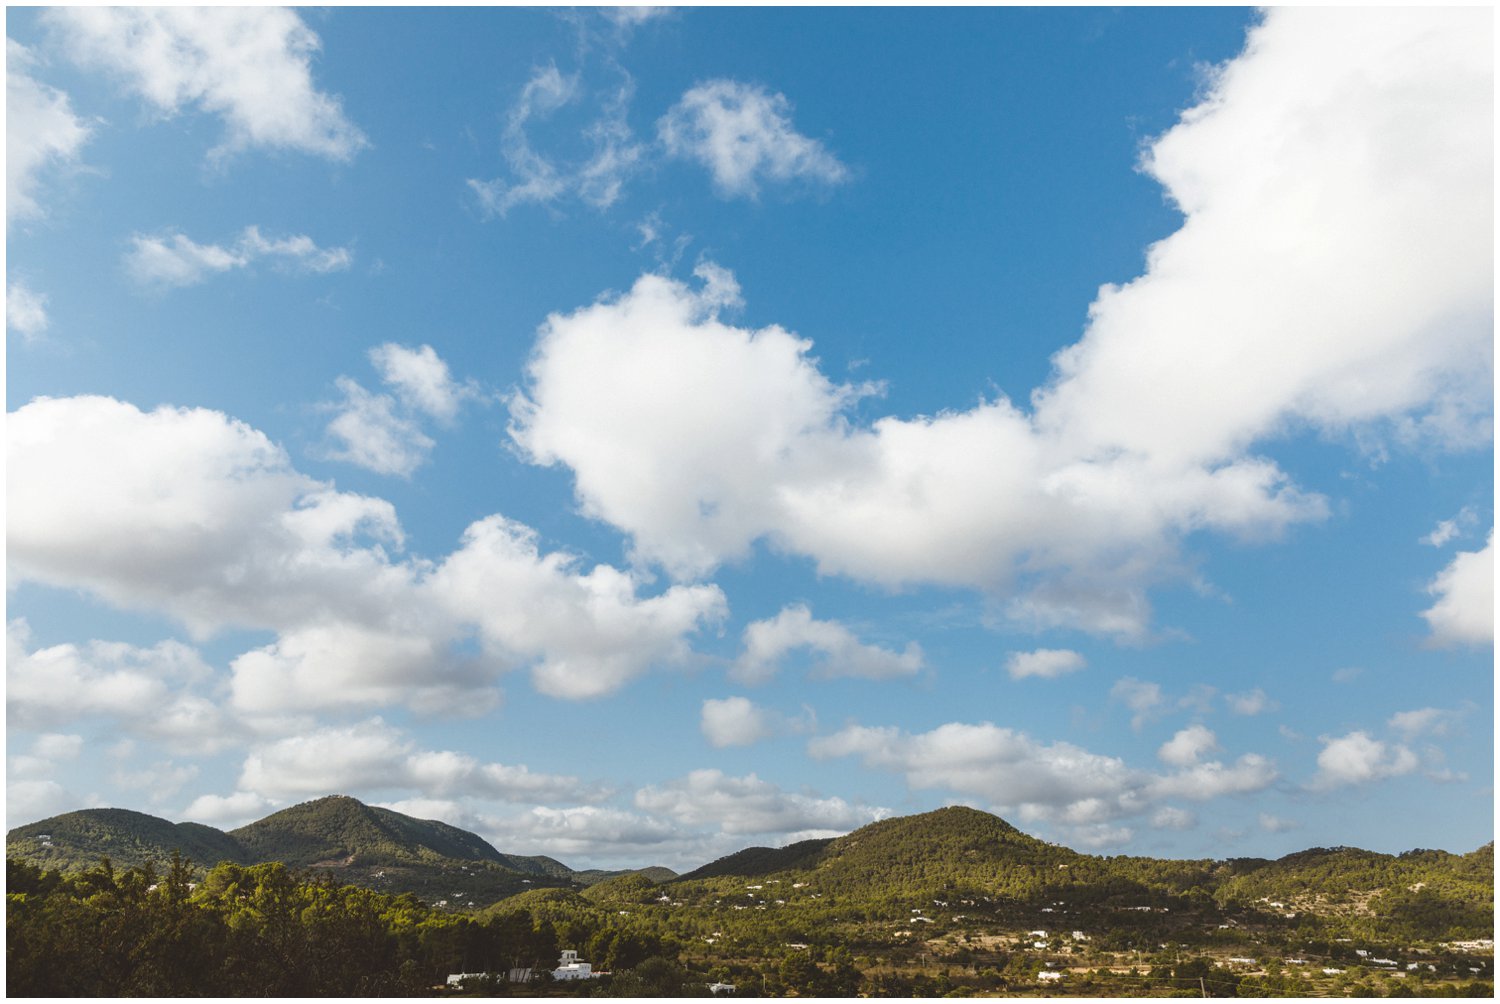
(263, 930)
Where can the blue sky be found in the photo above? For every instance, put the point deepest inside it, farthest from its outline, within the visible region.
(635, 435)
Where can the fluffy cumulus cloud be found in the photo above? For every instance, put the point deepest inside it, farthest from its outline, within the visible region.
(738, 721)
(750, 805)
(25, 310)
(421, 379)
(743, 135)
(373, 756)
(1464, 613)
(839, 652)
(1359, 758)
(173, 259)
(1312, 286)
(607, 836)
(148, 692)
(587, 632)
(41, 133)
(204, 519)
(251, 66)
(1188, 746)
(370, 431)
(227, 811)
(383, 432)
(1047, 663)
(1055, 782)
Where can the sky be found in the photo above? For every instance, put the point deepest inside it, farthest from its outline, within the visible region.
(638, 434)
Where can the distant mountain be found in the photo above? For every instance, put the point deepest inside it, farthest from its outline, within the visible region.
(754, 861)
(77, 840)
(339, 831)
(932, 852)
(361, 844)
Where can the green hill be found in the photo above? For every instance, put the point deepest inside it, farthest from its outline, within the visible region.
(77, 840)
(357, 843)
(338, 831)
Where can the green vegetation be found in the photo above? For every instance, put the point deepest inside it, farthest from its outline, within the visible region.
(955, 903)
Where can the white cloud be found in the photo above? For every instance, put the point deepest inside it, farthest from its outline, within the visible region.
(383, 434)
(744, 136)
(202, 518)
(840, 653)
(174, 259)
(1251, 702)
(588, 632)
(617, 155)
(1188, 746)
(1204, 781)
(632, 17)
(1448, 529)
(1275, 824)
(159, 782)
(1357, 758)
(1464, 613)
(29, 801)
(147, 691)
(736, 721)
(1141, 697)
(421, 379)
(599, 180)
(1338, 282)
(41, 133)
(227, 811)
(610, 837)
(750, 805)
(251, 66)
(57, 746)
(47, 751)
(1424, 722)
(1172, 818)
(1047, 663)
(1054, 782)
(372, 756)
(25, 311)
(371, 433)
(345, 665)
(538, 179)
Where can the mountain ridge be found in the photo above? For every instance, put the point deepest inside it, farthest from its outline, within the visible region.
(953, 850)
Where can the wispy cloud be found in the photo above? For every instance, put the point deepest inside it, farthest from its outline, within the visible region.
(175, 260)
(840, 653)
(743, 135)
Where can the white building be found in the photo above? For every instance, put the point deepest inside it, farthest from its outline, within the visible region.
(569, 968)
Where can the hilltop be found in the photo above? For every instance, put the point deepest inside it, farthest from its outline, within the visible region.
(357, 843)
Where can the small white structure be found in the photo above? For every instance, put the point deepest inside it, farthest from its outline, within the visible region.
(454, 979)
(570, 968)
(1047, 975)
(721, 988)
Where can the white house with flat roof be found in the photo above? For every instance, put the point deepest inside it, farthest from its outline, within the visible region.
(570, 968)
